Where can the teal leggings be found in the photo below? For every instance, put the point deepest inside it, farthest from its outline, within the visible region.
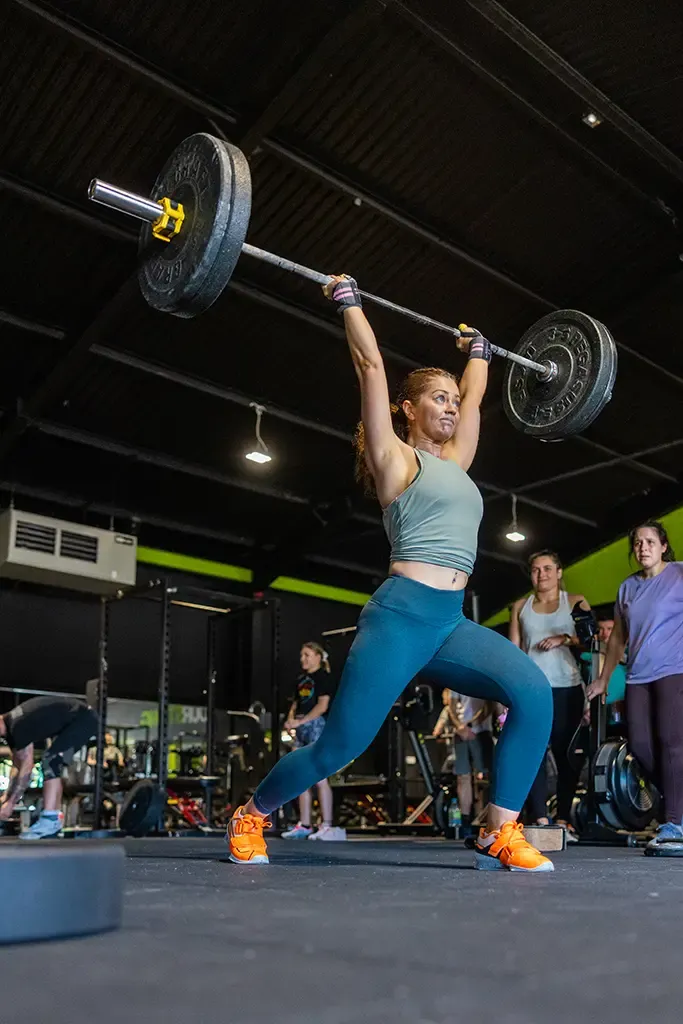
(408, 628)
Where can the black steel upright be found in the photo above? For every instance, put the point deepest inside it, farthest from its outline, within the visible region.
(211, 676)
(391, 759)
(274, 608)
(400, 768)
(101, 709)
(396, 751)
(164, 662)
(598, 710)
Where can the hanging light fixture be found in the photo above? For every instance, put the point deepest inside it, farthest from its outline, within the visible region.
(260, 454)
(514, 534)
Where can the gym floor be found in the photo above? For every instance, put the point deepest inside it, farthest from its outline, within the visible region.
(366, 931)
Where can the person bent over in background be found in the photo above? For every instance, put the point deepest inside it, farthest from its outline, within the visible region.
(70, 725)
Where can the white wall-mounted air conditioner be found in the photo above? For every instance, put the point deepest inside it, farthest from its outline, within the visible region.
(39, 549)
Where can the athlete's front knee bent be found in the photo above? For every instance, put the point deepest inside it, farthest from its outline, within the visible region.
(531, 699)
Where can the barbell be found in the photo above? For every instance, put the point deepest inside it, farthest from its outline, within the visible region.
(558, 379)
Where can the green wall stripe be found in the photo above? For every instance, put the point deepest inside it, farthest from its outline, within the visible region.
(320, 590)
(200, 566)
(221, 570)
(599, 574)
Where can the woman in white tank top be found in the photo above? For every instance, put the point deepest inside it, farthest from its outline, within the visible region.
(543, 627)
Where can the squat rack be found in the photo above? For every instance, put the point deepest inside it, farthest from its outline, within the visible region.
(167, 594)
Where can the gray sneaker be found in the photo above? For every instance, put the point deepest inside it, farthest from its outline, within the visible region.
(44, 828)
(668, 834)
(329, 834)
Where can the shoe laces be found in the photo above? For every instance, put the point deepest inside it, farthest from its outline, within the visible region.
(669, 830)
(512, 834)
(252, 824)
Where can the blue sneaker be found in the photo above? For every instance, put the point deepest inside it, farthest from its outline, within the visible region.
(298, 832)
(47, 827)
(668, 834)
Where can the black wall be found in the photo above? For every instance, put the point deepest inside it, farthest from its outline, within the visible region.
(305, 618)
(49, 641)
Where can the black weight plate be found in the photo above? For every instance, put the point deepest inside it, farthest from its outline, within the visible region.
(211, 179)
(142, 808)
(625, 798)
(438, 811)
(635, 799)
(586, 358)
(602, 775)
(579, 813)
(54, 890)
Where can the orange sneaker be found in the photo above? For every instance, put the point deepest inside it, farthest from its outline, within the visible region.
(506, 847)
(245, 838)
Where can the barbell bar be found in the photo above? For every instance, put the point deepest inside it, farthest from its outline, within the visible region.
(156, 212)
(193, 233)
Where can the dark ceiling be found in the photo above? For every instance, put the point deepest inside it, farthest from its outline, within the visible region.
(434, 149)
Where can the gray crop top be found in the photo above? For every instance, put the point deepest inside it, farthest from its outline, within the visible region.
(436, 519)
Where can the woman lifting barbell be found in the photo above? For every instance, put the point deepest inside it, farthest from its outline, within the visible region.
(416, 464)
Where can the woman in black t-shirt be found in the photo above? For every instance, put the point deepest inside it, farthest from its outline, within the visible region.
(306, 721)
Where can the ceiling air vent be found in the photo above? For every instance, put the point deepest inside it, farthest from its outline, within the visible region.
(40, 549)
(35, 537)
(78, 545)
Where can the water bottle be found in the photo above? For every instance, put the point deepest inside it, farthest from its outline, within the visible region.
(454, 815)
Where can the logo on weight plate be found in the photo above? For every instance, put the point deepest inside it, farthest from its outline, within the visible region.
(192, 170)
(555, 410)
(571, 338)
(163, 272)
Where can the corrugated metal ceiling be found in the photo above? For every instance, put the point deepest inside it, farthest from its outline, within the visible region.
(626, 51)
(398, 117)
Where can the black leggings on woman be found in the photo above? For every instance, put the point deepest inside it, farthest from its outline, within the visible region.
(654, 712)
(568, 702)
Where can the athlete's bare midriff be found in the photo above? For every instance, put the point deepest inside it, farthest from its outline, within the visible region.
(438, 576)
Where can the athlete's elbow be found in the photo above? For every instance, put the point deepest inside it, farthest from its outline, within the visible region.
(367, 364)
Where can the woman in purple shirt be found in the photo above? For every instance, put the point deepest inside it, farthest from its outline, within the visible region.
(649, 618)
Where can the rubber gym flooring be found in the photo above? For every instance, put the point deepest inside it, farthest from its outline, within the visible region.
(368, 931)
